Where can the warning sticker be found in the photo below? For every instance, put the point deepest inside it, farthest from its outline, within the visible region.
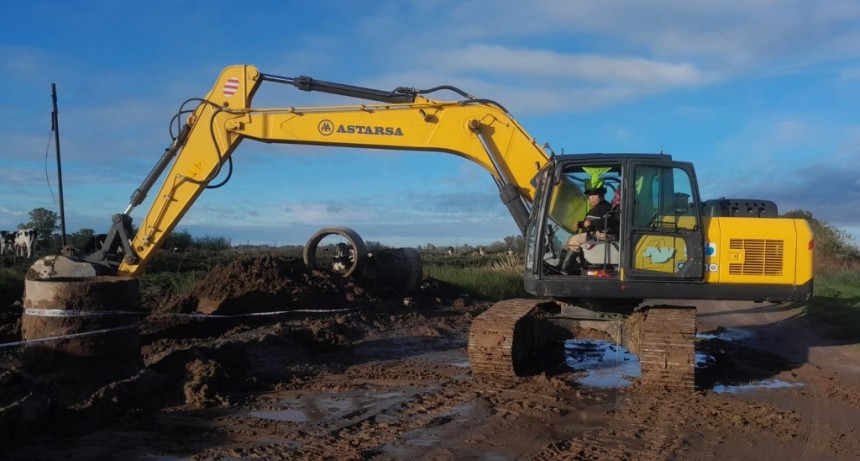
(231, 86)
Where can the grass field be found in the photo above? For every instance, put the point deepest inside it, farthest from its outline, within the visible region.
(493, 277)
(836, 303)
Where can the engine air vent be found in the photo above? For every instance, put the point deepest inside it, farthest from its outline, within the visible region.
(761, 257)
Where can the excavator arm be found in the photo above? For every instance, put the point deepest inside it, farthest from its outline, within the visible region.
(404, 119)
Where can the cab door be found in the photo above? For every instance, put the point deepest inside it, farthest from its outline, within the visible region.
(662, 223)
(539, 246)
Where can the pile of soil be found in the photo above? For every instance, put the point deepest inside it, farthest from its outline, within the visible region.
(268, 284)
(267, 359)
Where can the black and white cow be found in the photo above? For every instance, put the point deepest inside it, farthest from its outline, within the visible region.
(7, 242)
(25, 242)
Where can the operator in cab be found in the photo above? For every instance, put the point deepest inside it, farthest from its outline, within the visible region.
(594, 226)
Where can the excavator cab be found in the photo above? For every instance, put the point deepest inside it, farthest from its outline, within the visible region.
(655, 234)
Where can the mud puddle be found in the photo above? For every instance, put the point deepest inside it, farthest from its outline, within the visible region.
(603, 365)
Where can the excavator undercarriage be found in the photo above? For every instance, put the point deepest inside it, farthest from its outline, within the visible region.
(519, 337)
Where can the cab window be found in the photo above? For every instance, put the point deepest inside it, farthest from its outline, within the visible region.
(663, 198)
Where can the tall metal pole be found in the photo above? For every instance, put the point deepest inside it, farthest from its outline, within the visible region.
(55, 126)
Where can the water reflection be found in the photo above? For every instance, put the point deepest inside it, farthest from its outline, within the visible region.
(606, 364)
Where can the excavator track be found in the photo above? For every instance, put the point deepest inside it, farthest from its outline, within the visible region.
(504, 340)
(667, 347)
(510, 339)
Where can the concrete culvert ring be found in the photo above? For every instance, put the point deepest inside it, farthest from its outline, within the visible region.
(353, 262)
(82, 325)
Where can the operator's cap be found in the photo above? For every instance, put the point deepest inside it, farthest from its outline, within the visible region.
(596, 191)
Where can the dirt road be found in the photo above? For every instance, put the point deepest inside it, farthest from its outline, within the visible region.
(384, 379)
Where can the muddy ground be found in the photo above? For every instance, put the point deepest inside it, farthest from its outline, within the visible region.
(336, 370)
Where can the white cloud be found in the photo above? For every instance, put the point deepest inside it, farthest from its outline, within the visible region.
(551, 65)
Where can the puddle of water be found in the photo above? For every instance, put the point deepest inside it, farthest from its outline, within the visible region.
(291, 416)
(310, 408)
(728, 334)
(771, 384)
(609, 365)
(606, 364)
(302, 411)
(705, 360)
(335, 404)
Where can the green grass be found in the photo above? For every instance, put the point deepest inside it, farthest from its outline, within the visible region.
(157, 284)
(480, 282)
(836, 304)
(843, 284)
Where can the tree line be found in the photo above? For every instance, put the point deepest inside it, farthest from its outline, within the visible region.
(830, 242)
(45, 223)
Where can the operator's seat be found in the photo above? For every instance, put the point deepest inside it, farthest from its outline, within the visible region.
(602, 252)
(607, 251)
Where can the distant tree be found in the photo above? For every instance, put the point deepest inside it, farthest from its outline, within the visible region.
(497, 247)
(211, 243)
(44, 221)
(516, 243)
(178, 241)
(372, 246)
(834, 248)
(80, 238)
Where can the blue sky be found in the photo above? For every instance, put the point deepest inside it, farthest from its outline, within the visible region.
(762, 95)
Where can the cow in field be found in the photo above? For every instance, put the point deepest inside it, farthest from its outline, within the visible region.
(25, 242)
(7, 242)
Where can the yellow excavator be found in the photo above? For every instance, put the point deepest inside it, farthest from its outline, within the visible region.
(667, 243)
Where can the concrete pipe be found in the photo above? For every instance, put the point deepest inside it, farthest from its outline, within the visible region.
(348, 261)
(398, 269)
(89, 325)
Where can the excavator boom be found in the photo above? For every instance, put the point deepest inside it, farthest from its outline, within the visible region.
(478, 130)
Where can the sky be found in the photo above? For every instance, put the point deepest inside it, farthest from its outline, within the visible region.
(763, 96)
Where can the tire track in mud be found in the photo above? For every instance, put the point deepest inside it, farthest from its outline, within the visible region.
(380, 416)
(629, 429)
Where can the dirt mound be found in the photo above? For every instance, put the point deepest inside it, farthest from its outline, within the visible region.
(267, 284)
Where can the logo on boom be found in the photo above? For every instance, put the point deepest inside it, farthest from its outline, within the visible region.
(326, 128)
